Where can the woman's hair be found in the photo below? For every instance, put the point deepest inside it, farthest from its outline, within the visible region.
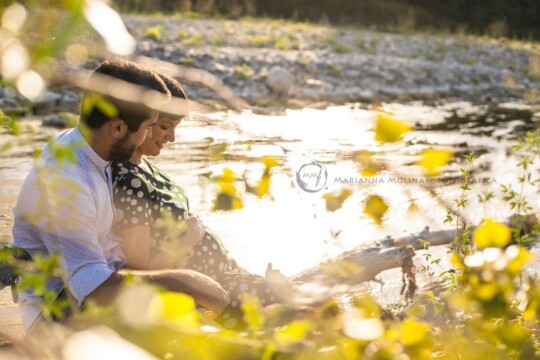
(173, 86)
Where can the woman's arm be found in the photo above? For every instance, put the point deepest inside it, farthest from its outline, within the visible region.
(136, 246)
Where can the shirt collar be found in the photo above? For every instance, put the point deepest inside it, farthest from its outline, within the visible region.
(89, 152)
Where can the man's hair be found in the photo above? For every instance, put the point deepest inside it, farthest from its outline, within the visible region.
(132, 114)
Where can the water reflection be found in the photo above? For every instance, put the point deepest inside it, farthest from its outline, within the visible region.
(294, 231)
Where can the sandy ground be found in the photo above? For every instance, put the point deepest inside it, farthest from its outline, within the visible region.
(10, 323)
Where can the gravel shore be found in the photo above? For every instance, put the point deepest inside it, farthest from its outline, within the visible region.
(339, 64)
(282, 64)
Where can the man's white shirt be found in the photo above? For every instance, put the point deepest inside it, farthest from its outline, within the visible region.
(65, 207)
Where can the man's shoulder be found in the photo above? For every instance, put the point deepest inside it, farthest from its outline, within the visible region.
(62, 163)
(63, 153)
(62, 140)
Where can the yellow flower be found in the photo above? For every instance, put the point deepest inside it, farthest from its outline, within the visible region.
(389, 128)
(491, 234)
(432, 159)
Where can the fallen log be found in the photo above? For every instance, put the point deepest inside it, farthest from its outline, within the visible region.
(389, 253)
(375, 257)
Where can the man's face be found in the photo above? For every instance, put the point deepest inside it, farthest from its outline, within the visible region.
(124, 147)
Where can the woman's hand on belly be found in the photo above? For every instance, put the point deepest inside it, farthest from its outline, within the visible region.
(194, 233)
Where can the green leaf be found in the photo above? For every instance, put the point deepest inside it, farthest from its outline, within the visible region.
(5, 147)
(217, 151)
(375, 207)
(334, 200)
(107, 108)
(368, 166)
(227, 202)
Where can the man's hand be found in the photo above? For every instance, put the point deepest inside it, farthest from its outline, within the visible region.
(206, 292)
(194, 233)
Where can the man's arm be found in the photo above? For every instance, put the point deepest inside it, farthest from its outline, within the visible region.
(206, 291)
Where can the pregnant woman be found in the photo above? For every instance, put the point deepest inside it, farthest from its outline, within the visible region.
(158, 230)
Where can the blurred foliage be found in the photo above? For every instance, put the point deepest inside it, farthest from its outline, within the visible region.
(375, 207)
(433, 159)
(368, 165)
(227, 197)
(491, 234)
(389, 128)
(262, 188)
(9, 123)
(489, 315)
(154, 33)
(334, 200)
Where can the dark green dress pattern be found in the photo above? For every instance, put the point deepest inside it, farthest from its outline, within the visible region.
(153, 199)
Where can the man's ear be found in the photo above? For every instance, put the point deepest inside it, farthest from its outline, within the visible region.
(118, 128)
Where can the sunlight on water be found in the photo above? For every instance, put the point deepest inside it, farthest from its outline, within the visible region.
(294, 231)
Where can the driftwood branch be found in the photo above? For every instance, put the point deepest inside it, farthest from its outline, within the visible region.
(378, 256)
(390, 253)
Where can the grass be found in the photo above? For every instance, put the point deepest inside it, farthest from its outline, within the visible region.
(220, 39)
(433, 57)
(186, 61)
(292, 27)
(260, 40)
(533, 69)
(183, 34)
(479, 78)
(342, 48)
(368, 46)
(243, 71)
(195, 40)
(335, 69)
(330, 39)
(304, 61)
(283, 43)
(154, 33)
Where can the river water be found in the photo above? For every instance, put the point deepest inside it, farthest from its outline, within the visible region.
(292, 229)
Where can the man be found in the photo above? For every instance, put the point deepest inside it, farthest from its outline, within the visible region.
(65, 205)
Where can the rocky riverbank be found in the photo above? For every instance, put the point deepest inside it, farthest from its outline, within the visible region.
(259, 59)
(273, 62)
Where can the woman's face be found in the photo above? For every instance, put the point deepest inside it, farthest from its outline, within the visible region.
(162, 133)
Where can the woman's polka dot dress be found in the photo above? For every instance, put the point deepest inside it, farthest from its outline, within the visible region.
(153, 199)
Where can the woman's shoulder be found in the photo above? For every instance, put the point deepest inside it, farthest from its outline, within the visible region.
(126, 171)
(133, 182)
(119, 165)
(157, 172)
